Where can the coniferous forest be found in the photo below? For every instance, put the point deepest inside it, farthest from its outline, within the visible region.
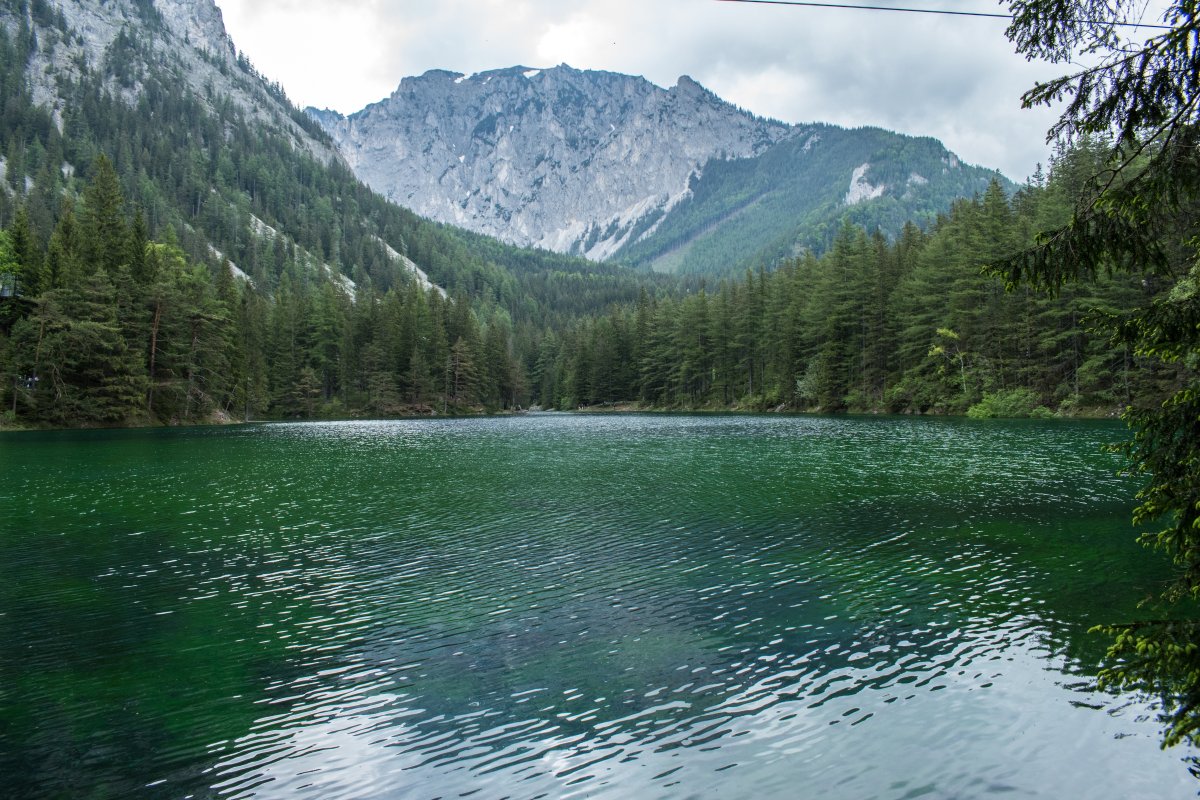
(121, 303)
(105, 324)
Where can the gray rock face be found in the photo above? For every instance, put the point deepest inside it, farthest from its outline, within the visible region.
(188, 36)
(568, 160)
(186, 39)
(199, 23)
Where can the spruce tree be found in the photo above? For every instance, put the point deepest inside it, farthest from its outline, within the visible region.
(1138, 216)
(104, 227)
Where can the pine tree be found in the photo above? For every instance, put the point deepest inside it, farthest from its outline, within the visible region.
(65, 257)
(497, 379)
(27, 255)
(693, 352)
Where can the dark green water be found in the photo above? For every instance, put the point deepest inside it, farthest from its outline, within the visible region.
(562, 606)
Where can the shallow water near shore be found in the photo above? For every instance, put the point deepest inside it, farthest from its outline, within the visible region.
(572, 605)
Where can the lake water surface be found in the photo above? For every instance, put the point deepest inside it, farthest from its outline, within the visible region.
(572, 606)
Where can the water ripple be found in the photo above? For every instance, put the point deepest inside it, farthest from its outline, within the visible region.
(565, 606)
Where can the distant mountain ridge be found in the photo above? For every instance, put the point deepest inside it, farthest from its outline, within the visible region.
(562, 159)
(613, 167)
(209, 149)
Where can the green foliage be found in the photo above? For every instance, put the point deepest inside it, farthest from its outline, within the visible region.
(73, 366)
(1137, 216)
(1019, 402)
(1161, 659)
(791, 199)
(913, 326)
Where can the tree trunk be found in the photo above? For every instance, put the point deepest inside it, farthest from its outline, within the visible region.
(153, 356)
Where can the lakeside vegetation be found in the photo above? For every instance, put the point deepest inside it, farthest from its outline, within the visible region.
(1137, 217)
(911, 326)
(109, 327)
(123, 306)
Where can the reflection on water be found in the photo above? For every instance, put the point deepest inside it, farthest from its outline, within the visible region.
(559, 606)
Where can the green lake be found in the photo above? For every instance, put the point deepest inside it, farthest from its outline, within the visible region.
(572, 606)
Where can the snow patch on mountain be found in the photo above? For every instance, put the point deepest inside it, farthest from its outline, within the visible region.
(233, 268)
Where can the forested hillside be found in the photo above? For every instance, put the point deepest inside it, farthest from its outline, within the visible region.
(176, 256)
(750, 211)
(913, 325)
(129, 198)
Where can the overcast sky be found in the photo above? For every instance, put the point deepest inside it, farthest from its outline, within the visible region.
(954, 78)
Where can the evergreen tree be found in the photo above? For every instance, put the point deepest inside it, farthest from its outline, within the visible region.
(104, 227)
(65, 256)
(78, 368)
(461, 376)
(27, 257)
(1138, 217)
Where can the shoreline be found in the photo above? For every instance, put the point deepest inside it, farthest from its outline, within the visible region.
(783, 410)
(223, 420)
(613, 409)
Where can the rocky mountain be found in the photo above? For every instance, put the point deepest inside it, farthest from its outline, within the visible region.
(185, 37)
(562, 159)
(214, 157)
(573, 162)
(204, 146)
(610, 166)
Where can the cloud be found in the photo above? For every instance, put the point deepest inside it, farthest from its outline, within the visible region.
(953, 78)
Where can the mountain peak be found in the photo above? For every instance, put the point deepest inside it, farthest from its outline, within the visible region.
(597, 163)
(439, 74)
(560, 158)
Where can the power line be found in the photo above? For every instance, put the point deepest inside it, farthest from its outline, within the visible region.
(927, 11)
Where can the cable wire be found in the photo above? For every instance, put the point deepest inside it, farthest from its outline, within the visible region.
(927, 11)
